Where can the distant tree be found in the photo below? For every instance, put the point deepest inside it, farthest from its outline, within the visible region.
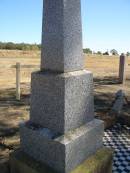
(99, 53)
(87, 51)
(39, 46)
(34, 47)
(19, 46)
(106, 53)
(114, 52)
(26, 47)
(128, 54)
(2, 45)
(9, 46)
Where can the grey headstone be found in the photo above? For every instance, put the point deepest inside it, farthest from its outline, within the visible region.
(65, 152)
(62, 36)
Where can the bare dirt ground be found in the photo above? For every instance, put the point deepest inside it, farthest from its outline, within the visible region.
(12, 112)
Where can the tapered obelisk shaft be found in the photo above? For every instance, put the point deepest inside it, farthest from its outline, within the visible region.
(62, 36)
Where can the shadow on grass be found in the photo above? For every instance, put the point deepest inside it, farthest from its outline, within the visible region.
(106, 81)
(8, 98)
(103, 102)
(11, 111)
(6, 130)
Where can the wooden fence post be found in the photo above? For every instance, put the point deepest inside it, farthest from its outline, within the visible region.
(122, 69)
(18, 76)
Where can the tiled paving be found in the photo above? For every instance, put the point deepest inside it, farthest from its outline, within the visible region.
(118, 138)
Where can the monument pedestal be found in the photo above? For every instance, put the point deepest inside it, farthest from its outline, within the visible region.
(100, 162)
(62, 153)
(62, 101)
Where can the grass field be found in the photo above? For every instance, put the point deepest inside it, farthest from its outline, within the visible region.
(101, 66)
(105, 71)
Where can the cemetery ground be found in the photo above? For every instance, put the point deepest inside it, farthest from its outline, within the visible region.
(105, 70)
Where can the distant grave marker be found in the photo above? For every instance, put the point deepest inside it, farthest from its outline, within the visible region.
(18, 76)
(122, 69)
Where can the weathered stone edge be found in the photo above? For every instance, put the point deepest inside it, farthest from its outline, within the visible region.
(99, 163)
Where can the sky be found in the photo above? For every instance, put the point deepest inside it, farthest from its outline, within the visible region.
(105, 23)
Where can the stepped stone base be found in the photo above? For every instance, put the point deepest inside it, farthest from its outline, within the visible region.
(62, 101)
(101, 162)
(62, 153)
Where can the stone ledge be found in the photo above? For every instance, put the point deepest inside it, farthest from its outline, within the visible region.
(101, 162)
(66, 152)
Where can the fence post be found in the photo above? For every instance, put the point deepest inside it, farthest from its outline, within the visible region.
(18, 75)
(122, 69)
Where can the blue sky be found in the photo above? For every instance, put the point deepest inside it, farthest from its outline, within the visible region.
(106, 23)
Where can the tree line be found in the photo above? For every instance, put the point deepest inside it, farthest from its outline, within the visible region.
(26, 46)
(19, 46)
(112, 52)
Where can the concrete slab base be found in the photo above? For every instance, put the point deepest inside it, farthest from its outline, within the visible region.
(101, 162)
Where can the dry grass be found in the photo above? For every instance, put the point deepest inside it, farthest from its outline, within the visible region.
(104, 65)
(101, 66)
(19, 54)
(105, 71)
(8, 58)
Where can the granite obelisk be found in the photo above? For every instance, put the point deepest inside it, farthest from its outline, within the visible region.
(62, 131)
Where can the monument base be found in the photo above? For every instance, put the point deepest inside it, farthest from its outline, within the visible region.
(98, 163)
(65, 152)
